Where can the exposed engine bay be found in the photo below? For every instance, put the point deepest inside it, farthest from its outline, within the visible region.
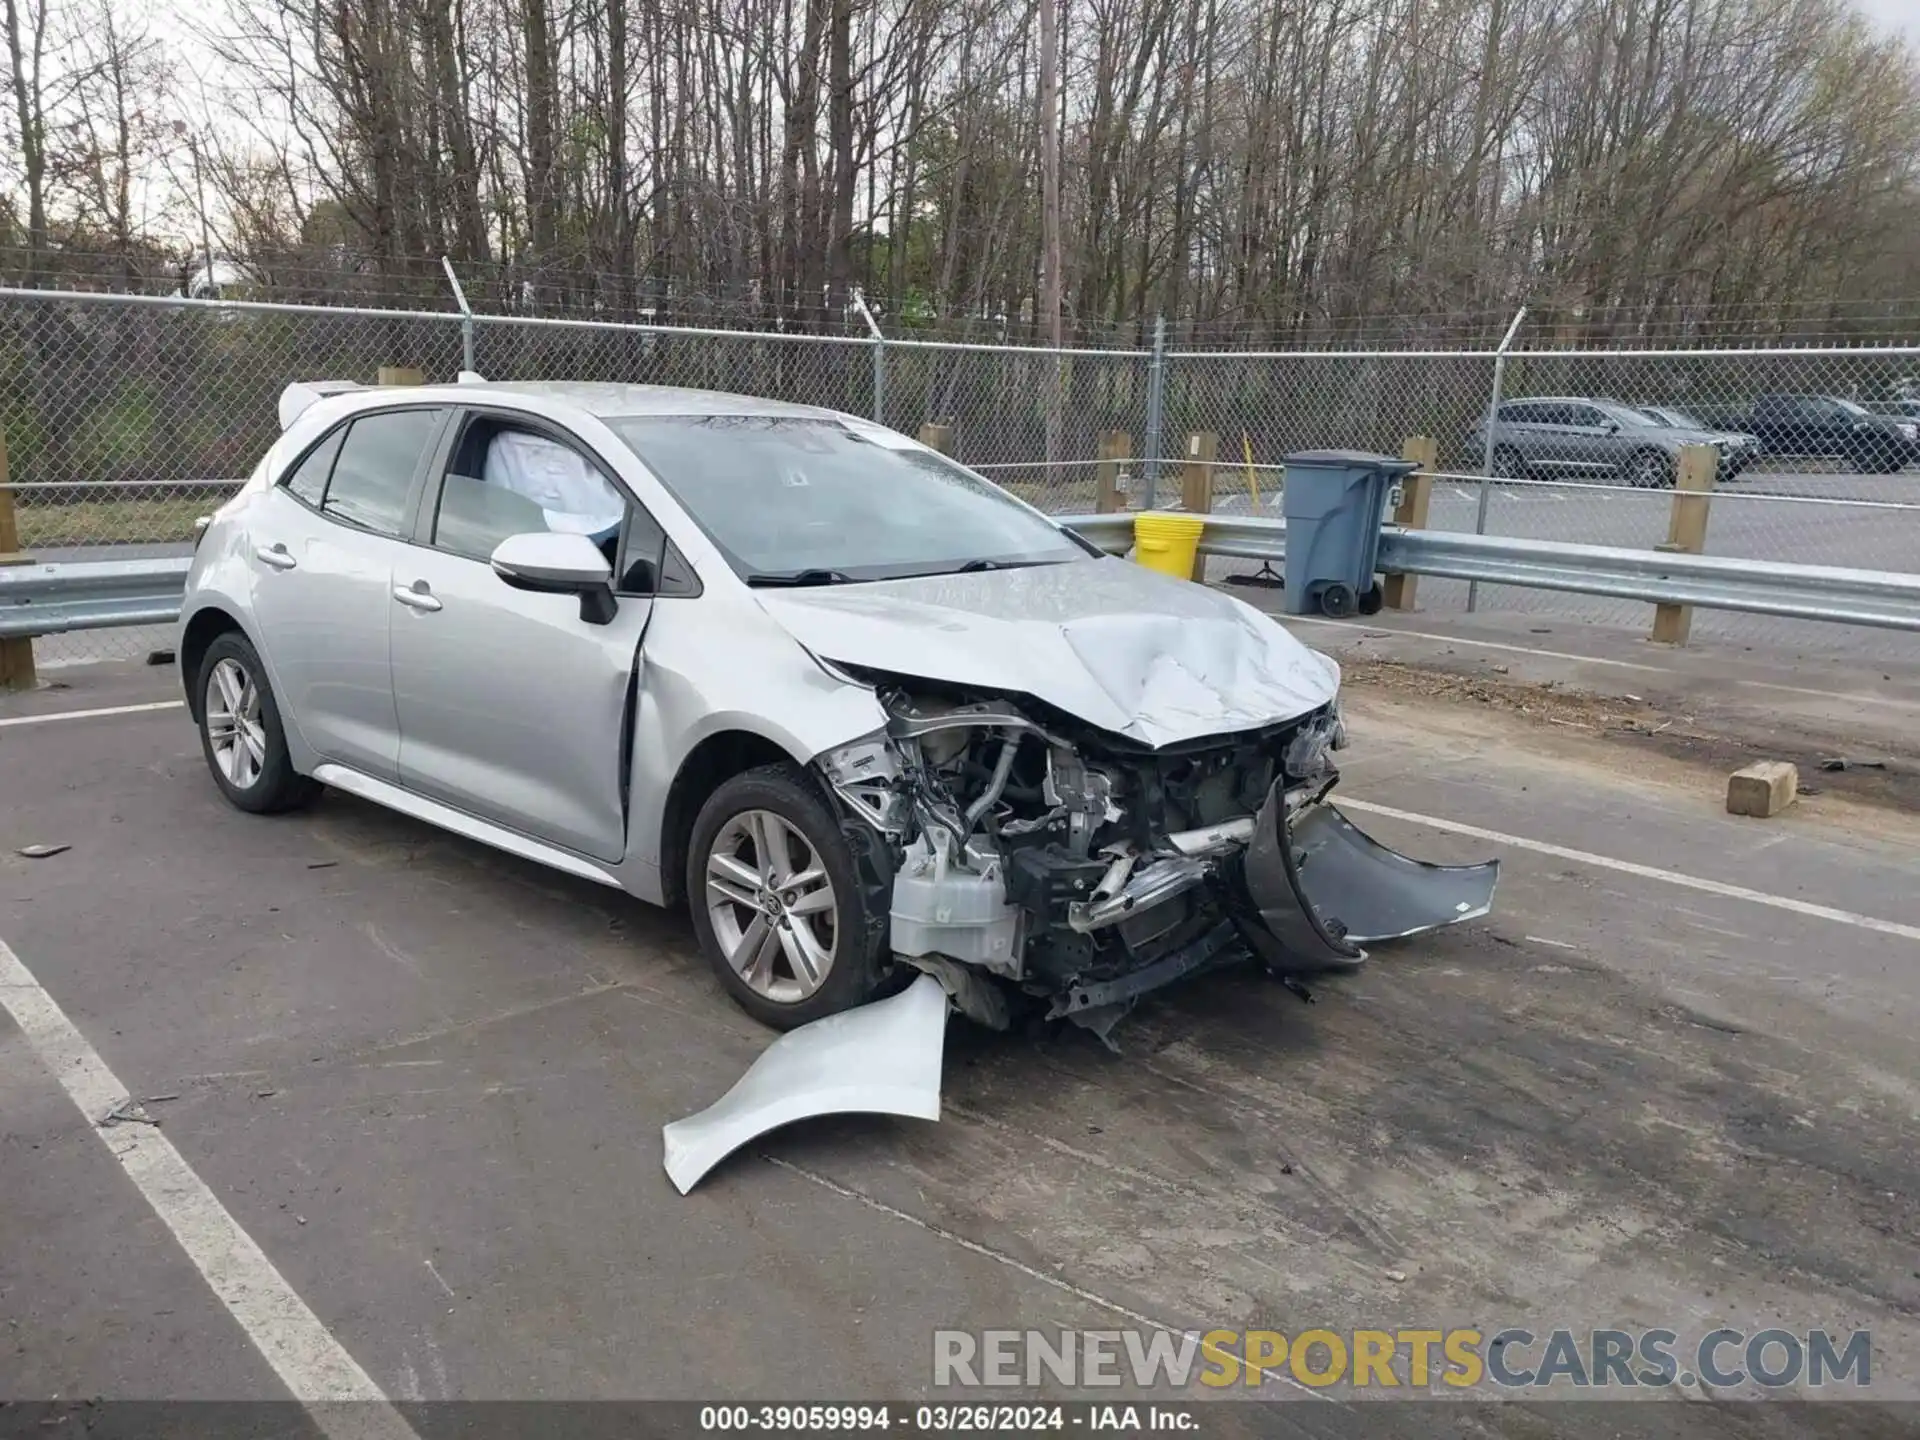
(1036, 856)
(1034, 863)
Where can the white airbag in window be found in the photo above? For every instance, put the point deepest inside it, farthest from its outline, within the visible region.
(574, 497)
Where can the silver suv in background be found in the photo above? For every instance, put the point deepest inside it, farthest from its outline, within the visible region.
(1571, 435)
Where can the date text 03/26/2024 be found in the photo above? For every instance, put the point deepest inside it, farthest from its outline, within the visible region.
(947, 1418)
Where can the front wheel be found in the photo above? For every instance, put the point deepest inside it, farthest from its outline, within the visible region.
(1878, 460)
(241, 734)
(1649, 470)
(777, 900)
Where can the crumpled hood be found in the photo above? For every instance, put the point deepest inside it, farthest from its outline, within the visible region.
(1123, 648)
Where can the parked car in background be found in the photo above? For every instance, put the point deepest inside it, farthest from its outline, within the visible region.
(1738, 450)
(1562, 435)
(1825, 425)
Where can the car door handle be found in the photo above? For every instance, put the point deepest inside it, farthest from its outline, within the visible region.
(274, 555)
(416, 596)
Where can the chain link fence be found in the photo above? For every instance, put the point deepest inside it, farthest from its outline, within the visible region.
(126, 417)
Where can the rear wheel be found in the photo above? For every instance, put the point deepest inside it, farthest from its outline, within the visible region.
(777, 902)
(1507, 464)
(241, 734)
(1877, 459)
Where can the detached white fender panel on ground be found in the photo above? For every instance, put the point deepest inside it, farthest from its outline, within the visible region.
(882, 1058)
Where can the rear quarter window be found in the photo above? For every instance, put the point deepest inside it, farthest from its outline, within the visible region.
(308, 479)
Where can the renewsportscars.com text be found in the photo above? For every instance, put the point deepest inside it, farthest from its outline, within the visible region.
(1514, 1358)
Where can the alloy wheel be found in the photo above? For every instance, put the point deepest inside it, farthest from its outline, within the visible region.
(772, 906)
(234, 726)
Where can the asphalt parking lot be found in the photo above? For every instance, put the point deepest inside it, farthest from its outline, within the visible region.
(1669, 1082)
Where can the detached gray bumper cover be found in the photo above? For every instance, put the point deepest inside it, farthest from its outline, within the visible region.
(1330, 889)
(884, 1058)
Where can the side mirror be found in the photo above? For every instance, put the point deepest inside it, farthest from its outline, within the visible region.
(550, 564)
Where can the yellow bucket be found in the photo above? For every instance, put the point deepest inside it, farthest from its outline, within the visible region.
(1167, 542)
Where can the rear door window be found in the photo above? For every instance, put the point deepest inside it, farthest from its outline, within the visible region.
(374, 472)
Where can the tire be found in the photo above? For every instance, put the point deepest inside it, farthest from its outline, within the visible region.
(1508, 463)
(1373, 601)
(1878, 460)
(1649, 470)
(247, 757)
(836, 939)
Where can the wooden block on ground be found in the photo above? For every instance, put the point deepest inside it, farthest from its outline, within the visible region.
(1762, 789)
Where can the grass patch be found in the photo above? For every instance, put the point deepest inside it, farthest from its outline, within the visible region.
(144, 521)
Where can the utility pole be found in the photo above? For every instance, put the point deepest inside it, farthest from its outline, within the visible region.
(200, 199)
(1050, 209)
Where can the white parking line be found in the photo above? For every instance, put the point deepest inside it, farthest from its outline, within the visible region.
(341, 1397)
(1644, 872)
(1356, 627)
(52, 716)
(1395, 631)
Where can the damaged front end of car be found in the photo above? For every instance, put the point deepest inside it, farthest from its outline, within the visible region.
(1037, 865)
(1079, 871)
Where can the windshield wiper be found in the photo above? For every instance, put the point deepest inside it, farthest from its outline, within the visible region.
(797, 578)
(972, 567)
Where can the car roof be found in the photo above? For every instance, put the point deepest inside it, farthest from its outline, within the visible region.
(603, 399)
(1560, 400)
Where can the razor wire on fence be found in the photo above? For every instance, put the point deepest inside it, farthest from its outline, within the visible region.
(126, 417)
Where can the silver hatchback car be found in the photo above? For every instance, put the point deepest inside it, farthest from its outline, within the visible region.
(868, 713)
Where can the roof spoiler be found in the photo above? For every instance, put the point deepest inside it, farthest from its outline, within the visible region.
(297, 397)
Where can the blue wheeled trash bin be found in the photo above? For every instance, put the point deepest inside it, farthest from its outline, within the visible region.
(1334, 502)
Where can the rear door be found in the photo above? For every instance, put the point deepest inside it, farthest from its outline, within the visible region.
(325, 540)
(1555, 443)
(1520, 428)
(511, 706)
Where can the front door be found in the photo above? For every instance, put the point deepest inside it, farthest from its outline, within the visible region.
(1592, 440)
(511, 707)
(324, 545)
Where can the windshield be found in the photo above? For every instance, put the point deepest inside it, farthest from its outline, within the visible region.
(1853, 409)
(1674, 419)
(818, 501)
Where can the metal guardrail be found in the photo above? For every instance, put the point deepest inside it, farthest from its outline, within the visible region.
(1708, 582)
(90, 595)
(50, 599)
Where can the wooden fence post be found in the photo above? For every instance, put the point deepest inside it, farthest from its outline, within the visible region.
(937, 437)
(402, 375)
(1196, 484)
(1416, 494)
(16, 653)
(1686, 532)
(1116, 448)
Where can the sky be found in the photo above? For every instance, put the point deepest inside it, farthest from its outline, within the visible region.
(1899, 15)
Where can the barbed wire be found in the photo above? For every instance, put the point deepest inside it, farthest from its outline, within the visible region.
(516, 288)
